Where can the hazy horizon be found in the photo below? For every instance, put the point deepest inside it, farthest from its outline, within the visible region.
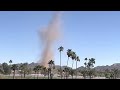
(91, 34)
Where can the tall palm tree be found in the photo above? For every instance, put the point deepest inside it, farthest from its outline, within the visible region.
(60, 50)
(90, 65)
(51, 66)
(77, 60)
(49, 71)
(69, 54)
(92, 60)
(85, 73)
(10, 62)
(73, 58)
(14, 68)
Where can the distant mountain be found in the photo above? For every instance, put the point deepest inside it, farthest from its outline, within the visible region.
(103, 68)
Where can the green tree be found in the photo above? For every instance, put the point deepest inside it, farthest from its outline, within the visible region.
(107, 73)
(44, 71)
(69, 54)
(6, 68)
(1, 70)
(14, 68)
(24, 68)
(77, 60)
(88, 66)
(115, 73)
(85, 68)
(35, 70)
(29, 71)
(10, 62)
(72, 72)
(60, 50)
(73, 58)
(38, 68)
(51, 66)
(83, 72)
(67, 70)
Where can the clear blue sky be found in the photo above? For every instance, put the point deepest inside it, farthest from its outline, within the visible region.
(90, 34)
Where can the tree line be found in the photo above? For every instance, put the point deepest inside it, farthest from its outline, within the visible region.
(88, 71)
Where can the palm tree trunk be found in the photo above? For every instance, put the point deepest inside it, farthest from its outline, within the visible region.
(85, 71)
(67, 66)
(34, 75)
(60, 66)
(44, 76)
(48, 74)
(10, 70)
(37, 75)
(67, 61)
(24, 74)
(76, 69)
(21, 75)
(72, 68)
(14, 74)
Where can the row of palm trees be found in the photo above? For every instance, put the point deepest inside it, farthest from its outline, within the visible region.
(89, 64)
(71, 54)
(23, 69)
(41, 69)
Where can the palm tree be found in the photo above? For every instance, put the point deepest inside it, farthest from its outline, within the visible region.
(69, 54)
(115, 73)
(10, 66)
(24, 69)
(90, 65)
(85, 73)
(51, 66)
(92, 60)
(38, 68)
(29, 71)
(10, 61)
(21, 69)
(14, 68)
(77, 59)
(67, 72)
(73, 58)
(44, 71)
(35, 70)
(49, 71)
(60, 50)
(107, 73)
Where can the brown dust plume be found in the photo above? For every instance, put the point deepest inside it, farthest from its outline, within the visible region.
(48, 36)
